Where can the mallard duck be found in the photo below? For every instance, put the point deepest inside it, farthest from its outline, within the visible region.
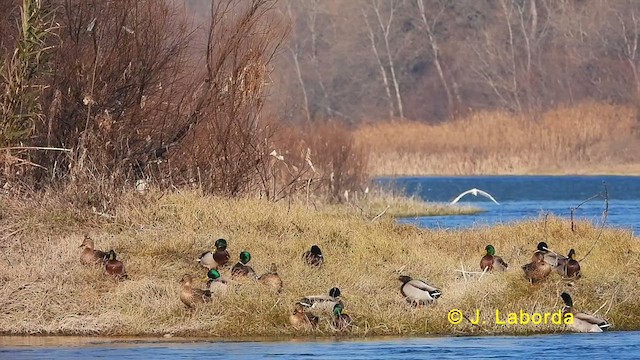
(537, 269)
(216, 284)
(569, 267)
(492, 261)
(341, 321)
(272, 279)
(548, 256)
(115, 267)
(582, 322)
(313, 257)
(217, 258)
(301, 320)
(418, 292)
(190, 296)
(90, 256)
(241, 268)
(323, 303)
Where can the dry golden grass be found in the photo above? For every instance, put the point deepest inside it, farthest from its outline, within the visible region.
(45, 290)
(589, 138)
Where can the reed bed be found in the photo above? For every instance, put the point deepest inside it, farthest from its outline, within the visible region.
(45, 289)
(588, 138)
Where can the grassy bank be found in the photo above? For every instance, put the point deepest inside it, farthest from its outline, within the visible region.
(45, 290)
(587, 139)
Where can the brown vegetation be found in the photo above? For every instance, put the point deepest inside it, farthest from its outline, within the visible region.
(589, 138)
(44, 289)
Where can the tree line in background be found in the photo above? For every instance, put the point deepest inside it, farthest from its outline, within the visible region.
(97, 96)
(432, 60)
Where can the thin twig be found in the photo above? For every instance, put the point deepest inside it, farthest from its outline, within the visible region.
(35, 148)
(605, 213)
(573, 209)
(382, 213)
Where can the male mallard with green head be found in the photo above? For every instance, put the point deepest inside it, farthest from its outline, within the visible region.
(190, 296)
(215, 283)
(272, 279)
(241, 268)
(115, 267)
(538, 268)
(301, 320)
(313, 257)
(492, 261)
(90, 256)
(341, 321)
(323, 302)
(582, 322)
(217, 258)
(418, 292)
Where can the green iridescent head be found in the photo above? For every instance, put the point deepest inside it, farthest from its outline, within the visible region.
(221, 244)
(245, 257)
(213, 274)
(490, 250)
(337, 309)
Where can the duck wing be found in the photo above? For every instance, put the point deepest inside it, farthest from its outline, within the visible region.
(497, 260)
(591, 319)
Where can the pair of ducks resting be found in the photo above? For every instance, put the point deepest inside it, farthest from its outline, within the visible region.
(91, 256)
(300, 319)
(544, 261)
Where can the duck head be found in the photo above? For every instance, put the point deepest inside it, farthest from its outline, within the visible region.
(315, 250)
(405, 279)
(245, 257)
(542, 246)
(298, 309)
(337, 309)
(186, 280)
(111, 255)
(213, 274)
(221, 244)
(334, 292)
(567, 299)
(571, 254)
(490, 250)
(87, 242)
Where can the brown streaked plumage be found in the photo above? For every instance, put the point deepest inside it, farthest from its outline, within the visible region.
(192, 297)
(300, 320)
(272, 279)
(90, 256)
(538, 269)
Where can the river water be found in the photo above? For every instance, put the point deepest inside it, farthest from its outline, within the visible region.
(520, 197)
(525, 197)
(619, 345)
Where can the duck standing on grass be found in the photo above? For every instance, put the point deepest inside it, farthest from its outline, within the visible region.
(192, 297)
(341, 321)
(301, 320)
(272, 279)
(582, 322)
(90, 256)
(215, 284)
(538, 269)
(115, 267)
(418, 292)
(217, 258)
(313, 257)
(492, 261)
(241, 268)
(324, 303)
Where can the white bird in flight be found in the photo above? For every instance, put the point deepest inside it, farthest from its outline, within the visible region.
(474, 192)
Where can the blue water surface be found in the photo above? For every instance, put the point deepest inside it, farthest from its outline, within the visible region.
(619, 345)
(526, 197)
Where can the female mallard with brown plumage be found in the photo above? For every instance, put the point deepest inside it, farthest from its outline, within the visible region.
(115, 267)
(418, 292)
(192, 297)
(301, 320)
(241, 268)
(89, 255)
(492, 261)
(582, 322)
(272, 279)
(217, 258)
(538, 269)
